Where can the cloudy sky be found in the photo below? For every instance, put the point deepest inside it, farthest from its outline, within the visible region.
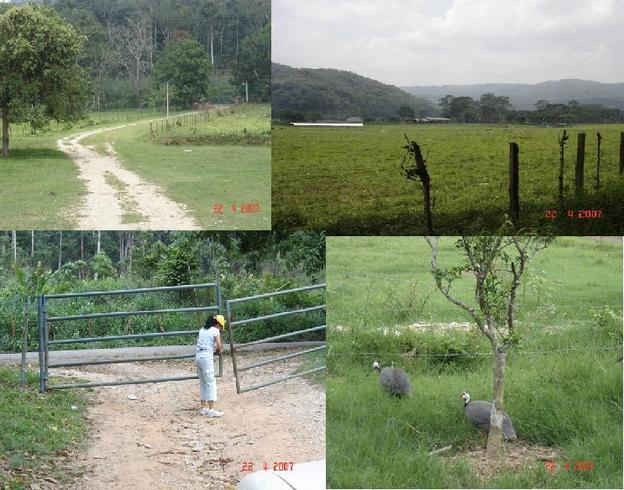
(436, 42)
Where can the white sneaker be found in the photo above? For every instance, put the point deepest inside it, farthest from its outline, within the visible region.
(212, 413)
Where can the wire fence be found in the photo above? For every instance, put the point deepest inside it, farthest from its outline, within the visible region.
(468, 354)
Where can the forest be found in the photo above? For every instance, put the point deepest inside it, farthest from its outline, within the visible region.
(126, 45)
(245, 263)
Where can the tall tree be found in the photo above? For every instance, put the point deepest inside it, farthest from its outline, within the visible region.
(39, 54)
(254, 65)
(186, 66)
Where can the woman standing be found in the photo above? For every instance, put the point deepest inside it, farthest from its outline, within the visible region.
(208, 342)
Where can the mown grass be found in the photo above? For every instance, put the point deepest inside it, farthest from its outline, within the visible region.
(41, 189)
(570, 400)
(36, 430)
(202, 176)
(348, 181)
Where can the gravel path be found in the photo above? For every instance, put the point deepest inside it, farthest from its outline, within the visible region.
(151, 436)
(105, 203)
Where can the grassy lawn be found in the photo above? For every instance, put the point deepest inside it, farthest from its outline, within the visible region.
(40, 184)
(37, 431)
(203, 175)
(569, 400)
(348, 181)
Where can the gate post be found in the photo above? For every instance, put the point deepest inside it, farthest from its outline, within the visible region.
(229, 322)
(42, 386)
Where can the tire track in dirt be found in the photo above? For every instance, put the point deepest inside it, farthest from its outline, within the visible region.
(105, 205)
(159, 440)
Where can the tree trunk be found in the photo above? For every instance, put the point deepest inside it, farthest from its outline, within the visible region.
(212, 44)
(495, 445)
(22, 379)
(5, 131)
(32, 246)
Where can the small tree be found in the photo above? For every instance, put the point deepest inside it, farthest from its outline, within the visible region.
(185, 66)
(497, 263)
(40, 78)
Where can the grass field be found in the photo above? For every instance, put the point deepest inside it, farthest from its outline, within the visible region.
(563, 381)
(198, 175)
(205, 174)
(348, 180)
(37, 431)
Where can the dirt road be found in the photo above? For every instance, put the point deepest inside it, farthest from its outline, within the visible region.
(114, 192)
(151, 436)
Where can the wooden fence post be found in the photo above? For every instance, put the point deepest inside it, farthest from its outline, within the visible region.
(563, 140)
(580, 164)
(598, 141)
(514, 196)
(622, 153)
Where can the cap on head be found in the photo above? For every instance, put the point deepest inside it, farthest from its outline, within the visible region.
(465, 396)
(220, 320)
(376, 365)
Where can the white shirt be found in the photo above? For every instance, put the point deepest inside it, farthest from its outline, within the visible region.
(207, 341)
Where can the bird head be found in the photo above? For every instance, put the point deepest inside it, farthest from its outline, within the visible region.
(376, 366)
(465, 396)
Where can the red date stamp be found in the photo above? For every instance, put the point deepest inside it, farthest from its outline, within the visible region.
(551, 466)
(276, 466)
(245, 208)
(552, 214)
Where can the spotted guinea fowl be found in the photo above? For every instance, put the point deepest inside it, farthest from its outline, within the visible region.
(478, 412)
(393, 380)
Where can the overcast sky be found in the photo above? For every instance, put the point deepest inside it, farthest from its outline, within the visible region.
(437, 42)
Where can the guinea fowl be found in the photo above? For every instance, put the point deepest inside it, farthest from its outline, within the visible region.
(393, 380)
(478, 412)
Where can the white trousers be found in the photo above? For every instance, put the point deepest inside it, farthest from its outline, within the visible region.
(207, 382)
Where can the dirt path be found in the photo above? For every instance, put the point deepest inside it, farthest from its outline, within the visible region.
(114, 191)
(159, 441)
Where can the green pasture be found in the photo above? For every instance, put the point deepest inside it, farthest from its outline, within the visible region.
(349, 180)
(563, 381)
(37, 431)
(42, 189)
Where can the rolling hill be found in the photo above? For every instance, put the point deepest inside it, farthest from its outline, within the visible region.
(337, 94)
(524, 96)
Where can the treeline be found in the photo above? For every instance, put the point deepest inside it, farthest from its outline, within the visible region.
(491, 108)
(245, 263)
(316, 94)
(124, 40)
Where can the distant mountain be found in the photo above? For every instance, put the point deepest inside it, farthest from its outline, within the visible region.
(337, 94)
(524, 96)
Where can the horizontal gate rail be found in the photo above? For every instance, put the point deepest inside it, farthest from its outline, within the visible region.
(237, 323)
(118, 361)
(282, 336)
(86, 340)
(276, 293)
(276, 315)
(281, 358)
(285, 378)
(131, 313)
(44, 342)
(119, 292)
(117, 383)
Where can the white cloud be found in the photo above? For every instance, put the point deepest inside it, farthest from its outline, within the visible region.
(415, 42)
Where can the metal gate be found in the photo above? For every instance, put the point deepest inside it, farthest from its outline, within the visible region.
(44, 342)
(237, 323)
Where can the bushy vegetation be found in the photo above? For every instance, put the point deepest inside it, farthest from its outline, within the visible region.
(245, 265)
(563, 382)
(348, 180)
(36, 431)
(306, 94)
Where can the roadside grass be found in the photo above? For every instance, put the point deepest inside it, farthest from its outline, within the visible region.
(202, 176)
(37, 431)
(40, 183)
(348, 181)
(570, 400)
